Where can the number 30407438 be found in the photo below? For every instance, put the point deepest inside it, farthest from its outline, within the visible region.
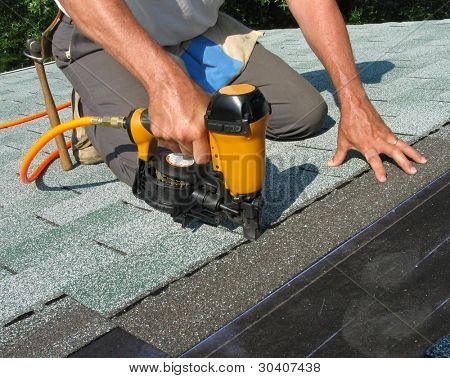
(289, 367)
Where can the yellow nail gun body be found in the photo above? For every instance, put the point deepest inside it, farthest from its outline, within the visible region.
(227, 188)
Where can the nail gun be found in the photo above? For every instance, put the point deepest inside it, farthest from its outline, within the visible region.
(227, 188)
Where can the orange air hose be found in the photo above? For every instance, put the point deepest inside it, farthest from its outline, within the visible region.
(33, 117)
(42, 165)
(41, 142)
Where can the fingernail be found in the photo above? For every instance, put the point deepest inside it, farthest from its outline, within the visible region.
(330, 163)
(424, 160)
(413, 170)
(383, 178)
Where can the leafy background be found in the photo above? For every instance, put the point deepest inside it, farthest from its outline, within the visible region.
(20, 19)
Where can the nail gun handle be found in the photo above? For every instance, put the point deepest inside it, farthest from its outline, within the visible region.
(139, 130)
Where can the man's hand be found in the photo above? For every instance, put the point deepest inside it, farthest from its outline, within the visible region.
(362, 129)
(177, 111)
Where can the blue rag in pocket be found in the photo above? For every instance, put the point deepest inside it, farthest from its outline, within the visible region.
(208, 65)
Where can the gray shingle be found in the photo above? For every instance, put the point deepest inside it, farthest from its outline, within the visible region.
(421, 118)
(291, 154)
(56, 331)
(60, 265)
(4, 273)
(46, 245)
(325, 141)
(78, 206)
(19, 228)
(290, 187)
(116, 286)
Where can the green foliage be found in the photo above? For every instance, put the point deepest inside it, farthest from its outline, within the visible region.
(20, 20)
(370, 11)
(355, 16)
(260, 14)
(270, 14)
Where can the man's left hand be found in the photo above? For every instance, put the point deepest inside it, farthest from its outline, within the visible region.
(361, 128)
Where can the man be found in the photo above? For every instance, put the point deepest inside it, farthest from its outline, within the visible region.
(169, 55)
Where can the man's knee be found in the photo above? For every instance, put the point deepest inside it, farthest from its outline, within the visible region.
(300, 123)
(312, 122)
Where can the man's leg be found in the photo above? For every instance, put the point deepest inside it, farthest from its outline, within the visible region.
(110, 91)
(298, 108)
(105, 88)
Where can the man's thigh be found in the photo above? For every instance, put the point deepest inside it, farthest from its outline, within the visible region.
(106, 88)
(298, 108)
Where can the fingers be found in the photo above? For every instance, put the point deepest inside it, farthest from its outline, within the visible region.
(202, 152)
(399, 153)
(398, 156)
(339, 157)
(169, 145)
(411, 152)
(185, 150)
(377, 165)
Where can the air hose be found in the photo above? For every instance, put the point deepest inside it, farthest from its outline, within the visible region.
(32, 117)
(47, 161)
(115, 122)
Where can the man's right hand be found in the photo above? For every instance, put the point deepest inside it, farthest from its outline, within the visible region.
(177, 105)
(177, 109)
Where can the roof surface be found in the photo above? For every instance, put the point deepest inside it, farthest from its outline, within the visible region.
(81, 238)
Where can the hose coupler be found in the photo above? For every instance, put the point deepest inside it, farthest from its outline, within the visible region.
(114, 122)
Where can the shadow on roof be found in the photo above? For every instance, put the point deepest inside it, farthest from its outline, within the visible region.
(370, 73)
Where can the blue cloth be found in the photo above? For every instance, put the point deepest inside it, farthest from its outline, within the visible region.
(208, 65)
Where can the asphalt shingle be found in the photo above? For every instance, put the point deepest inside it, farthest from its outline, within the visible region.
(58, 330)
(167, 253)
(4, 273)
(45, 280)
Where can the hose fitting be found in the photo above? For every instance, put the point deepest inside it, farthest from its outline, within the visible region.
(114, 122)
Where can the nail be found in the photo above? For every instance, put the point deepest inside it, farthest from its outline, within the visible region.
(413, 170)
(330, 163)
(383, 178)
(424, 160)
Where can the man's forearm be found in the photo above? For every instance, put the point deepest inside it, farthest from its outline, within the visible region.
(112, 25)
(324, 29)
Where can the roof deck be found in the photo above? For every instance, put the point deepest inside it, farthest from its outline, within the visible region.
(81, 256)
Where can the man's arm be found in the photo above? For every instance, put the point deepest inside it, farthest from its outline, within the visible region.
(361, 127)
(177, 104)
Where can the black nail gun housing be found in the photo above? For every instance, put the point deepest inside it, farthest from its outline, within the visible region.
(193, 193)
